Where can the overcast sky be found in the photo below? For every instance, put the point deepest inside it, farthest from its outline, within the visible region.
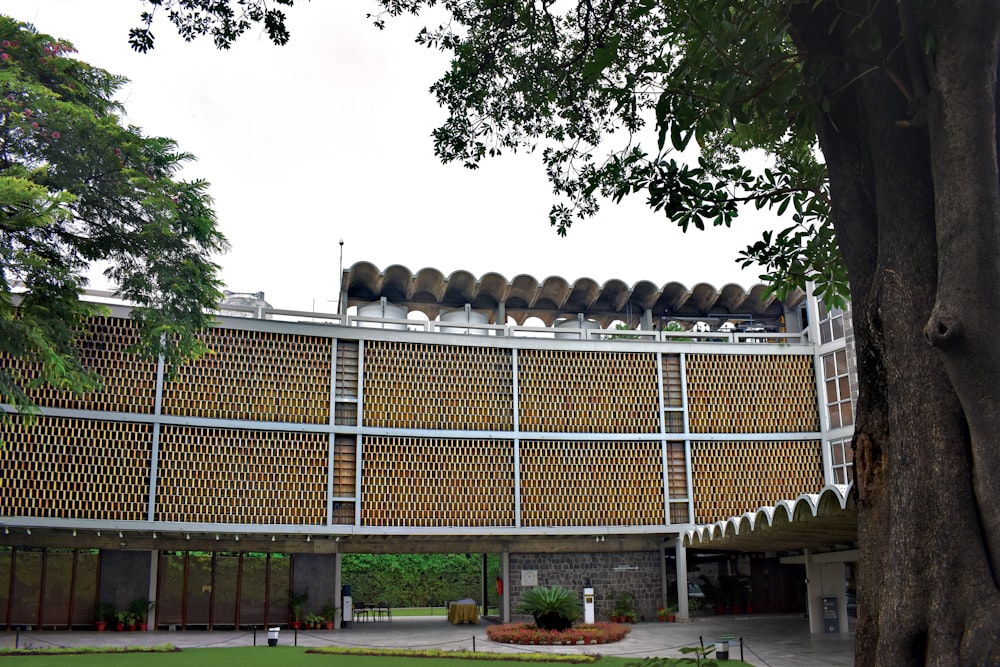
(328, 138)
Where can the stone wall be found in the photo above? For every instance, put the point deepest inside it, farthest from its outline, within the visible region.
(314, 574)
(611, 575)
(124, 577)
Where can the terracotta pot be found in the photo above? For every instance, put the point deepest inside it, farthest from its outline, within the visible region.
(101, 625)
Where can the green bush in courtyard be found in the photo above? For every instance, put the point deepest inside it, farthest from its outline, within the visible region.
(554, 608)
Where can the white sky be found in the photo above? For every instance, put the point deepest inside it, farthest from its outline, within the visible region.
(328, 138)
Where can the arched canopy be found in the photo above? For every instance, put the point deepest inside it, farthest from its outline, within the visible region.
(429, 290)
(826, 520)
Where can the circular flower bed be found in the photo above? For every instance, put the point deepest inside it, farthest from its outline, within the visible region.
(529, 633)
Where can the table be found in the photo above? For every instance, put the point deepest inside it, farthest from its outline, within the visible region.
(463, 613)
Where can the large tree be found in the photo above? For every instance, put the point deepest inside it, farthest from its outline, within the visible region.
(81, 191)
(901, 100)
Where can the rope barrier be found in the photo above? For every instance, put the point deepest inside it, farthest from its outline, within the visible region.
(29, 640)
(226, 641)
(18, 635)
(754, 654)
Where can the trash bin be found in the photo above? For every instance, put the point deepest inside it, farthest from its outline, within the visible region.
(722, 648)
(346, 606)
(272, 636)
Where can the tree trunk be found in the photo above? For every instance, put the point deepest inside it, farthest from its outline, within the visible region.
(916, 205)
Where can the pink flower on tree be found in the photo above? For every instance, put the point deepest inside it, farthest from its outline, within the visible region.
(4, 56)
(55, 135)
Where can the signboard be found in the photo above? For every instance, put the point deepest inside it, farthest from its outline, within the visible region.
(831, 615)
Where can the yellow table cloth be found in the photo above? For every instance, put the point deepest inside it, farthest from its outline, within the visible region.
(463, 613)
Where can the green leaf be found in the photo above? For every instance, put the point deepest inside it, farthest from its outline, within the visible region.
(600, 60)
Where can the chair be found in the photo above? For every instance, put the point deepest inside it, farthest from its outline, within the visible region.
(384, 611)
(361, 612)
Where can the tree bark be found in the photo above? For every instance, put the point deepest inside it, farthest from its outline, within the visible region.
(915, 205)
(962, 123)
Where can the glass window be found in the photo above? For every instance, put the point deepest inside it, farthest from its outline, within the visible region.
(831, 323)
(840, 411)
(842, 457)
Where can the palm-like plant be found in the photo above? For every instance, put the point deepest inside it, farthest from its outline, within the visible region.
(554, 608)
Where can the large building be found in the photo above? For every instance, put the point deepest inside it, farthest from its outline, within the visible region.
(584, 432)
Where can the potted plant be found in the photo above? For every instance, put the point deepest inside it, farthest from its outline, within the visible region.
(140, 608)
(103, 613)
(734, 592)
(314, 621)
(123, 618)
(329, 613)
(624, 611)
(714, 597)
(295, 602)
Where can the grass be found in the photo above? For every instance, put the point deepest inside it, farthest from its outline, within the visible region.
(430, 611)
(286, 656)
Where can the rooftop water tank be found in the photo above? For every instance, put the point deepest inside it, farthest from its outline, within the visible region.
(382, 309)
(467, 316)
(586, 325)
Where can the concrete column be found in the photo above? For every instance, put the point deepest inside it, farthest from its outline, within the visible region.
(505, 598)
(338, 560)
(154, 570)
(484, 585)
(814, 602)
(825, 578)
(646, 324)
(664, 593)
(680, 557)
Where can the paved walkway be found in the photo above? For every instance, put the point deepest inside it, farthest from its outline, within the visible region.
(768, 641)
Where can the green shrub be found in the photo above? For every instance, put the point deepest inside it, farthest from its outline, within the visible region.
(554, 608)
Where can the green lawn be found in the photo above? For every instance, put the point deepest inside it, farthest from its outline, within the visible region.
(430, 611)
(269, 656)
(260, 656)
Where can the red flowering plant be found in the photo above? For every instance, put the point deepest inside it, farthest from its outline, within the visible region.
(529, 633)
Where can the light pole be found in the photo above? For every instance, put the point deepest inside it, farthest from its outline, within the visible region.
(340, 288)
